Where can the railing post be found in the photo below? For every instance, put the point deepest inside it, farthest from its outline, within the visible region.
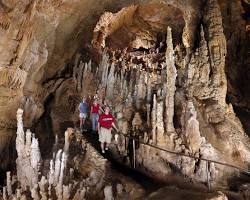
(134, 153)
(208, 176)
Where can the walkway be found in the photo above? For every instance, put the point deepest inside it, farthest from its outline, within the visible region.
(149, 184)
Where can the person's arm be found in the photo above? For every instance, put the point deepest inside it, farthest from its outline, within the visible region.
(100, 108)
(114, 126)
(91, 109)
(98, 125)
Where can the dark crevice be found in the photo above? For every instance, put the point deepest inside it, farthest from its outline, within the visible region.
(43, 129)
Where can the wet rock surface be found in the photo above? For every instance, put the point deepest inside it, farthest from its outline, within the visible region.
(175, 73)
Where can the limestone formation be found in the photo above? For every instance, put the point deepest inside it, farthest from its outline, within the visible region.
(170, 83)
(28, 155)
(55, 184)
(173, 72)
(108, 193)
(219, 196)
(137, 121)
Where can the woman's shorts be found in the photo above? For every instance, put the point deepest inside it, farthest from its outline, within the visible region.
(83, 115)
(105, 135)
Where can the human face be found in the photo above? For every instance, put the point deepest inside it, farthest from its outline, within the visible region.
(107, 110)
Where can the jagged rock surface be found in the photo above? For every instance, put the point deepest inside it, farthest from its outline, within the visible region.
(178, 87)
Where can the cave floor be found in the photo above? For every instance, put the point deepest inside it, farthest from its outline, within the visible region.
(149, 184)
(175, 188)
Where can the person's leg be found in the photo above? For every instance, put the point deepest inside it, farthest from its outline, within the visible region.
(83, 119)
(101, 140)
(107, 146)
(96, 121)
(93, 116)
(108, 138)
(102, 147)
(80, 120)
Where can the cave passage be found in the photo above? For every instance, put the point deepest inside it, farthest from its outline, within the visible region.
(175, 75)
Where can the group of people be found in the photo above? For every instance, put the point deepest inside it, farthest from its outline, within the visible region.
(102, 121)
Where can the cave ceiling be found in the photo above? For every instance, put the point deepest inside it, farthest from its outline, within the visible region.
(181, 65)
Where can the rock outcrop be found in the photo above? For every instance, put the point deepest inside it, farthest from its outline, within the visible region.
(166, 83)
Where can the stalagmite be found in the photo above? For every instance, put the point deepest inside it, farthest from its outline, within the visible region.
(9, 186)
(35, 158)
(66, 192)
(110, 82)
(160, 139)
(153, 119)
(148, 98)
(28, 142)
(170, 84)
(59, 191)
(4, 193)
(28, 155)
(42, 184)
(34, 192)
(192, 131)
(108, 193)
(104, 66)
(57, 167)
(217, 47)
(141, 89)
(63, 165)
(51, 177)
(18, 193)
(66, 139)
(137, 122)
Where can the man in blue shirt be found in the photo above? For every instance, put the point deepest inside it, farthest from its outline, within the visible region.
(83, 108)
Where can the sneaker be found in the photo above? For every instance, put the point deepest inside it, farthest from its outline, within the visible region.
(103, 151)
(106, 148)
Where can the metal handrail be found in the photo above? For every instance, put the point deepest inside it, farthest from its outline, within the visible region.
(185, 155)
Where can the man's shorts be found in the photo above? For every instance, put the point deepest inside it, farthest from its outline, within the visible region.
(83, 115)
(105, 135)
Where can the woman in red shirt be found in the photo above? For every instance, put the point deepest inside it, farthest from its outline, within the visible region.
(105, 124)
(95, 114)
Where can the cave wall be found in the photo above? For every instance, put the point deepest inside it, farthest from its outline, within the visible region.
(39, 39)
(178, 94)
